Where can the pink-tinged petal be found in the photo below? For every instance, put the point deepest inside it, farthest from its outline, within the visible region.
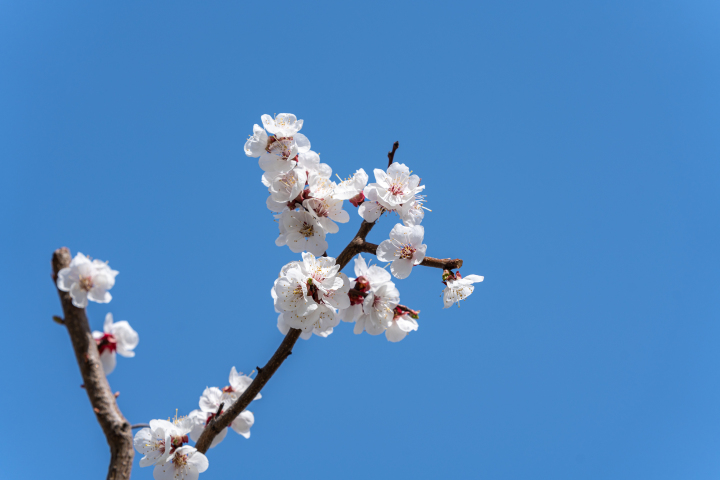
(401, 268)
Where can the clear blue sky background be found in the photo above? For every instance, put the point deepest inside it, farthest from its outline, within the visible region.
(570, 151)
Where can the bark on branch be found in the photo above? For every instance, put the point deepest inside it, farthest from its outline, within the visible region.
(116, 428)
(443, 263)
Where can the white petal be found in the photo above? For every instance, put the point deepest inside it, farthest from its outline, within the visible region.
(386, 251)
(401, 268)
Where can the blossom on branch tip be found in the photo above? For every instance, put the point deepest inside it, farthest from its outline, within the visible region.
(116, 337)
(404, 249)
(86, 280)
(395, 187)
(458, 288)
(186, 463)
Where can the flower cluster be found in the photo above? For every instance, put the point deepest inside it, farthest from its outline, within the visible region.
(308, 294)
(374, 304)
(163, 445)
(396, 190)
(308, 204)
(215, 400)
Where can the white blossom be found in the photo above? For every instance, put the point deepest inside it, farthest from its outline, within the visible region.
(283, 125)
(307, 294)
(378, 308)
(285, 186)
(320, 187)
(278, 153)
(351, 187)
(116, 337)
(404, 249)
(460, 289)
(310, 161)
(368, 277)
(413, 212)
(87, 280)
(395, 187)
(401, 326)
(185, 464)
(161, 440)
(325, 210)
(301, 232)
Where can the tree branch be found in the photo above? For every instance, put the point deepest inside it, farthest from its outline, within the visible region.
(391, 154)
(443, 263)
(264, 374)
(116, 428)
(284, 350)
(356, 245)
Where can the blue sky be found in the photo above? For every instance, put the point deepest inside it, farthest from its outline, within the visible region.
(570, 152)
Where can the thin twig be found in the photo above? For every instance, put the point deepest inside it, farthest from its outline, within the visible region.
(442, 263)
(118, 432)
(140, 425)
(391, 154)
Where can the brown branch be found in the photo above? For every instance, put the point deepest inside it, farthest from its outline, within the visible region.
(264, 374)
(118, 432)
(391, 154)
(355, 245)
(443, 263)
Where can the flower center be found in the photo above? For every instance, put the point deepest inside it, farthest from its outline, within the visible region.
(228, 389)
(321, 209)
(106, 342)
(407, 251)
(280, 146)
(179, 460)
(86, 283)
(313, 290)
(307, 230)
